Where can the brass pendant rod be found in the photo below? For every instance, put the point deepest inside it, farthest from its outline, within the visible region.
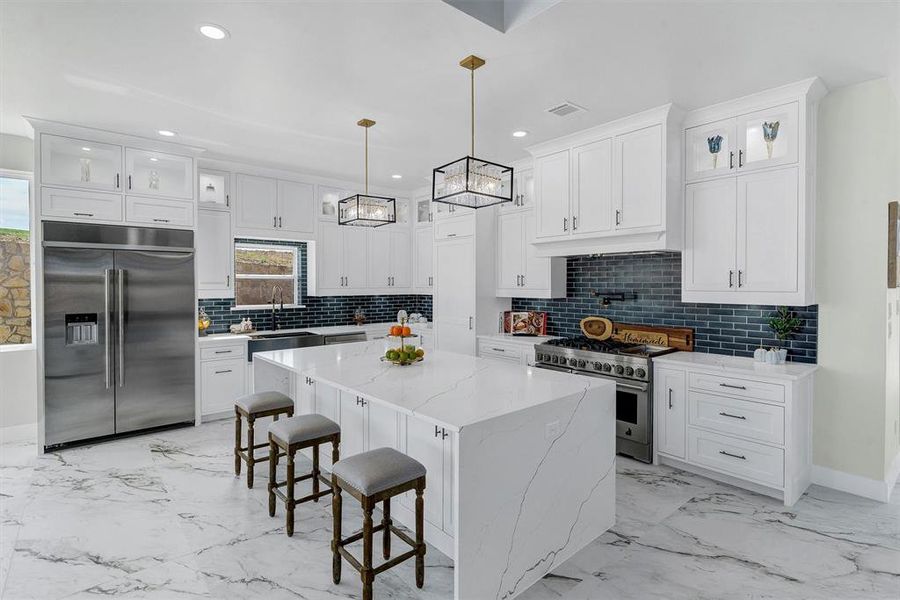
(472, 72)
(367, 161)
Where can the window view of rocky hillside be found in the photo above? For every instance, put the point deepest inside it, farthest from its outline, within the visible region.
(15, 271)
(258, 270)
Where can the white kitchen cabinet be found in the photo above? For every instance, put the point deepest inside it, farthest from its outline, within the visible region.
(710, 150)
(81, 205)
(222, 382)
(353, 424)
(151, 173)
(215, 254)
(423, 256)
(742, 239)
(159, 212)
(779, 125)
(725, 418)
(355, 268)
(424, 214)
(671, 410)
(455, 303)
(432, 446)
(382, 426)
(638, 170)
(379, 258)
(523, 190)
(551, 184)
(329, 258)
(592, 210)
(341, 263)
(213, 189)
(611, 188)
(328, 198)
(256, 203)
(295, 208)
(80, 163)
(389, 259)
(401, 264)
(520, 271)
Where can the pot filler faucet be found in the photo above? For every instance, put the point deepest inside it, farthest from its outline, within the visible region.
(276, 289)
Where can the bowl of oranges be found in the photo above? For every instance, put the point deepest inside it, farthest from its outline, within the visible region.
(402, 348)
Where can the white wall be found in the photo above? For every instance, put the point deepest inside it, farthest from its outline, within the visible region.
(18, 393)
(859, 154)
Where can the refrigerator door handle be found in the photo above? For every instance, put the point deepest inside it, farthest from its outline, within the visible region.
(120, 309)
(107, 318)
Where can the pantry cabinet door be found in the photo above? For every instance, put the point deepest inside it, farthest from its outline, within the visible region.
(551, 186)
(257, 199)
(215, 248)
(78, 163)
(159, 174)
(592, 194)
(710, 150)
(379, 258)
(423, 255)
(355, 267)
(768, 231)
(510, 248)
(330, 257)
(710, 236)
(401, 261)
(296, 208)
(768, 138)
(638, 178)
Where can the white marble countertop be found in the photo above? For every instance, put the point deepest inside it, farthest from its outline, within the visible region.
(450, 390)
(736, 365)
(517, 339)
(216, 338)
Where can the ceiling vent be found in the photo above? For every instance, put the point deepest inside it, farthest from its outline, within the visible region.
(565, 108)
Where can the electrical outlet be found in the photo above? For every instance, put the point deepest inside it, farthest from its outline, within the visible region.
(551, 430)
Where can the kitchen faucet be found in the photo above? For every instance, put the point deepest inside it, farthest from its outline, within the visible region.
(277, 289)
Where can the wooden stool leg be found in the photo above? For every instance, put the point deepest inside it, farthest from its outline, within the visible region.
(386, 522)
(289, 503)
(315, 473)
(420, 538)
(335, 450)
(336, 540)
(237, 443)
(366, 572)
(273, 464)
(250, 452)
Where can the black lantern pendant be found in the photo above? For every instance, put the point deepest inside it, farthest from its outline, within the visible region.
(364, 210)
(470, 181)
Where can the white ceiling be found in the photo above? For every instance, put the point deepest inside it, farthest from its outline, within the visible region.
(288, 86)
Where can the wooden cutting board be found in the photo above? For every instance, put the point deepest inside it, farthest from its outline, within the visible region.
(681, 338)
(597, 328)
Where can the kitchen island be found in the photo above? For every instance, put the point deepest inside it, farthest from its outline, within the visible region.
(521, 461)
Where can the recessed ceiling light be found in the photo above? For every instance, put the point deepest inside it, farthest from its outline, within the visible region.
(85, 148)
(397, 176)
(166, 133)
(520, 133)
(153, 159)
(213, 32)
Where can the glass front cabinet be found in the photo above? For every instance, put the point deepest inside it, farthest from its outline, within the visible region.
(757, 140)
(212, 189)
(78, 163)
(157, 174)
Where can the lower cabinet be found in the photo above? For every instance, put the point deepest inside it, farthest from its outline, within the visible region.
(432, 446)
(736, 424)
(520, 354)
(223, 380)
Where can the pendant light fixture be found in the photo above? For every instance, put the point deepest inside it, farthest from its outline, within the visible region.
(364, 210)
(469, 181)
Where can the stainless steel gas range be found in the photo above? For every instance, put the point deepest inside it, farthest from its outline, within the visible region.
(629, 365)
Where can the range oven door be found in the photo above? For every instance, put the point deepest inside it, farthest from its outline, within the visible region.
(633, 412)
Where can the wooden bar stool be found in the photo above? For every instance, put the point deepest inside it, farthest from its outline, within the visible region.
(285, 438)
(252, 407)
(372, 477)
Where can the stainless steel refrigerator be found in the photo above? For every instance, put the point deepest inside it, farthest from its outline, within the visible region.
(119, 330)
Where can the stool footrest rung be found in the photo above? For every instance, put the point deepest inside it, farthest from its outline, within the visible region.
(283, 497)
(350, 558)
(394, 561)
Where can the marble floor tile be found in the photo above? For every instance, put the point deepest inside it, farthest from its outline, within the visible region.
(161, 516)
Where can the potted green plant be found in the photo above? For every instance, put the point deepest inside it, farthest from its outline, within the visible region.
(784, 324)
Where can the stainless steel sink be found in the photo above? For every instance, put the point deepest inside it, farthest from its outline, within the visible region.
(278, 340)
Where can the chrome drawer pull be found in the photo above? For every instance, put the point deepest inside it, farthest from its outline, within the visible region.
(734, 387)
(725, 414)
(498, 349)
(732, 455)
(223, 351)
(225, 371)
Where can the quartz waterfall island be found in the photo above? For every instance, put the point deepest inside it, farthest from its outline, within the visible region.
(521, 461)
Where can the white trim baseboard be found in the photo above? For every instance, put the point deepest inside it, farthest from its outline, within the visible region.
(18, 433)
(857, 485)
(893, 475)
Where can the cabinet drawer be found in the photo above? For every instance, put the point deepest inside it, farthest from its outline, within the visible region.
(740, 388)
(740, 458)
(157, 211)
(490, 349)
(762, 422)
(451, 228)
(222, 352)
(75, 204)
(223, 382)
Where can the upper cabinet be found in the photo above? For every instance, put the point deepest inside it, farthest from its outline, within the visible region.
(612, 188)
(158, 174)
(424, 213)
(749, 214)
(78, 163)
(328, 198)
(214, 189)
(523, 191)
(757, 140)
(274, 208)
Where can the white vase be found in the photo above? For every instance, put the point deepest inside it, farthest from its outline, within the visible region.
(782, 355)
(759, 355)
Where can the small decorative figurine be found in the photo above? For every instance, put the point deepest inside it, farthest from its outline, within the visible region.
(359, 317)
(85, 170)
(715, 145)
(770, 132)
(153, 180)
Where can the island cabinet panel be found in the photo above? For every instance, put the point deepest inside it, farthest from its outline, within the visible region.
(381, 426)
(432, 446)
(353, 425)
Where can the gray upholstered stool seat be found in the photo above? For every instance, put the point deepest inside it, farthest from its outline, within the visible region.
(252, 407)
(372, 477)
(264, 401)
(303, 428)
(286, 437)
(377, 470)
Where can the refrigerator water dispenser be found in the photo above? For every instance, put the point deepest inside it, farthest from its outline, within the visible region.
(81, 329)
